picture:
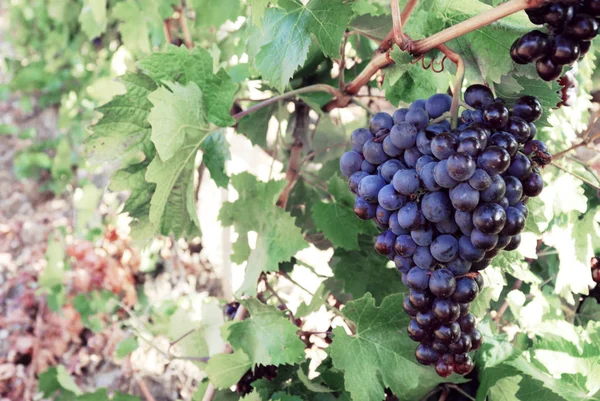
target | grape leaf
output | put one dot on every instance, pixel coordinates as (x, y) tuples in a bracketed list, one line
[(318, 300), (589, 311), (173, 208), (126, 347), (416, 83), (279, 396), (132, 26), (513, 264), (122, 135), (373, 7), (336, 218), (225, 370), (257, 9), (365, 271), (93, 17), (177, 64), (380, 354), (267, 337), (210, 13), (256, 125), (178, 116), (281, 54), (215, 152), (220, 395), (278, 237)]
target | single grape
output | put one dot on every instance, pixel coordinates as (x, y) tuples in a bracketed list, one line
[(423, 160), (393, 223), (399, 116), (406, 181), (411, 156), (528, 108), (420, 300), (384, 244), (408, 308), (442, 177), (424, 142), (350, 163), (592, 7), (355, 180), (482, 264), (423, 258), (447, 226), (537, 15), (369, 187), (584, 48), (363, 209), (427, 319), (461, 166), (476, 339), (480, 180), (547, 69), (496, 115), (390, 149), (564, 50), (416, 332), (439, 347), (489, 218), (381, 121), (403, 264), (426, 355), (503, 202), (495, 191), (443, 145), (522, 208), (403, 135), (519, 129), (448, 333), (483, 241), (417, 117), (444, 248), (532, 184), (464, 220), (503, 241), (405, 245), (436, 206), (582, 27), (368, 167), (423, 236), (359, 137), (520, 167), (478, 96), (445, 310), (494, 160), (514, 189), (418, 279), (467, 323), (389, 168), (427, 176), (505, 140), (463, 344), (464, 197), (409, 216), (515, 222), (443, 369), (464, 308), (459, 266), (558, 14), (373, 152), (476, 132), (466, 290), (418, 104), (438, 104), (467, 251), (382, 215), (530, 47)]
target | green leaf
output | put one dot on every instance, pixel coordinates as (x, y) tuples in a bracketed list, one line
[(126, 347), (132, 26), (365, 271), (225, 370), (256, 125), (311, 385), (177, 117), (278, 237), (210, 13), (66, 381), (257, 9), (47, 382), (267, 337), (373, 7), (220, 395), (589, 311), (184, 66), (86, 206), (279, 396), (173, 209), (124, 397), (416, 83), (512, 263), (380, 354), (336, 218), (54, 272), (318, 300), (93, 18), (215, 152), (122, 135), (282, 53)]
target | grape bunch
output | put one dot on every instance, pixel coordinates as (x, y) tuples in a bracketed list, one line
[(244, 385), (447, 201), (571, 25)]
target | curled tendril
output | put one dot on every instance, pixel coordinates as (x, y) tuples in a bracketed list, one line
[(431, 64)]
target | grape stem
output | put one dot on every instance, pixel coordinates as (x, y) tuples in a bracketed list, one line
[(187, 37), (458, 82), (397, 23), (307, 89)]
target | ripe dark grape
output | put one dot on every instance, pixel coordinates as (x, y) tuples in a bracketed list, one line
[(582, 27), (547, 69), (530, 47), (447, 201), (564, 50)]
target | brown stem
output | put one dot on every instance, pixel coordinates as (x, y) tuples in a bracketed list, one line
[(397, 23), (586, 141), (167, 30), (503, 10), (293, 168), (185, 30), (460, 390), (388, 41), (144, 389), (504, 305), (307, 89), (460, 77)]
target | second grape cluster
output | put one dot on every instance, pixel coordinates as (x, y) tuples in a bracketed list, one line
[(447, 201)]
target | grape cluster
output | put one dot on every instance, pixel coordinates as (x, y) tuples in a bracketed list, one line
[(571, 25), (596, 269), (244, 385), (447, 201)]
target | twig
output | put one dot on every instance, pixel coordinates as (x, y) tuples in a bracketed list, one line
[(167, 30), (172, 343), (503, 10), (388, 41), (460, 390), (293, 169), (585, 180), (504, 305), (444, 395), (281, 301), (307, 89), (144, 389), (201, 168), (187, 37), (460, 76), (290, 279), (397, 23), (586, 141)]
